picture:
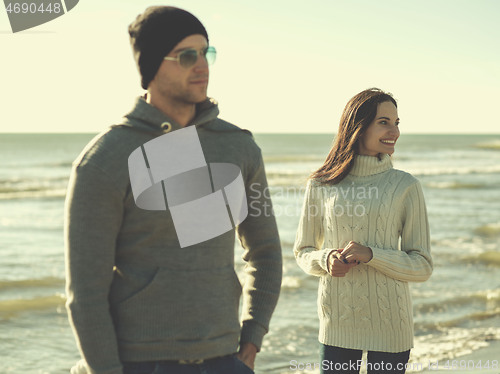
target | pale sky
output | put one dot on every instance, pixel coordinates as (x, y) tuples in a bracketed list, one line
[(282, 65)]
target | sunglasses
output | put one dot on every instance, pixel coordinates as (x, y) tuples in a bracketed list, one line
[(188, 57)]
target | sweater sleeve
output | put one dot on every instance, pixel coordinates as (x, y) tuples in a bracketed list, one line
[(413, 263), (259, 237), (93, 215), (310, 234)]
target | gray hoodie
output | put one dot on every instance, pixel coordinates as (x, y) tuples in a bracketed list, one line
[(134, 294)]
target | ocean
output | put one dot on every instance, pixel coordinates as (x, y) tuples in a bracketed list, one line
[(456, 312)]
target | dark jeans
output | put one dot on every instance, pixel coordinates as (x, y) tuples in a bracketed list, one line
[(223, 365), (336, 360)]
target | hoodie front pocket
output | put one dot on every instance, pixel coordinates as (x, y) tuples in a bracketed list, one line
[(181, 305)]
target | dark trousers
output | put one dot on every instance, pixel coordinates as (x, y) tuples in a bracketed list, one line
[(336, 360), (222, 365)]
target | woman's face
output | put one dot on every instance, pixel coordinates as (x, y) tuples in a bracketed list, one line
[(382, 134)]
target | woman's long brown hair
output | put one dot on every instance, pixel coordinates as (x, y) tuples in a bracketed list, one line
[(359, 112)]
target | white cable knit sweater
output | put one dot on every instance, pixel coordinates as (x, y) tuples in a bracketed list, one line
[(382, 208)]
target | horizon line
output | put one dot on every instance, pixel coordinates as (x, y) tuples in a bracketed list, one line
[(258, 133)]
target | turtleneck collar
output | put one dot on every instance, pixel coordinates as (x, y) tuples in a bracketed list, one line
[(370, 165)]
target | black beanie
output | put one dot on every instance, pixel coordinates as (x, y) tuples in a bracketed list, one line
[(155, 33)]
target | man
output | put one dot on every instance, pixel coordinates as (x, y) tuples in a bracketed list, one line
[(151, 284)]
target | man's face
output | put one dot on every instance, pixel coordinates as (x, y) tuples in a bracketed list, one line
[(179, 85)]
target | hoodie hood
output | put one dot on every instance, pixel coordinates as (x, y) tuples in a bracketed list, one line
[(145, 117)]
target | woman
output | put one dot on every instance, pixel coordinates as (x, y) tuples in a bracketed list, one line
[(364, 232)]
